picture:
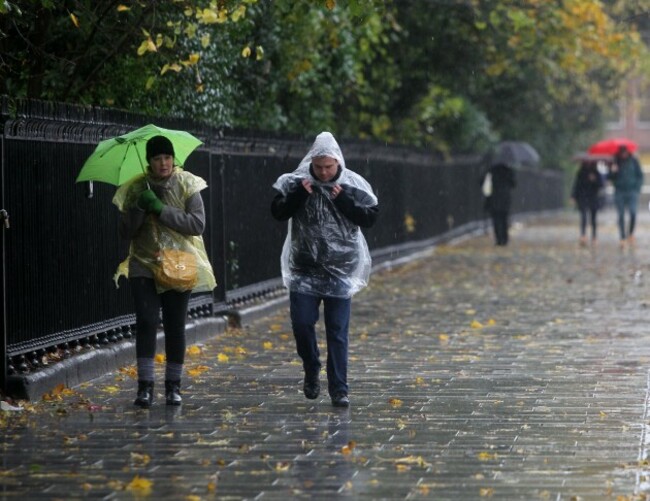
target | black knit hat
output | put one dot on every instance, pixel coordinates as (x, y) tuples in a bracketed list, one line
[(159, 145)]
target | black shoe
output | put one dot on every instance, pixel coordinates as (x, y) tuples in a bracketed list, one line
[(173, 392), (311, 387), (340, 400), (144, 398)]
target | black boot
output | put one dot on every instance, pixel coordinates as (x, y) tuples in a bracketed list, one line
[(311, 385), (145, 394), (173, 392)]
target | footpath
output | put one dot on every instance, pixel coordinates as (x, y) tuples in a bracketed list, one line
[(476, 372)]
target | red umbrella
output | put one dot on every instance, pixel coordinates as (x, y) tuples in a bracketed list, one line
[(611, 146)]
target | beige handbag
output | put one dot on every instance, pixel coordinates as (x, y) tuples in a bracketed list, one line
[(176, 269)]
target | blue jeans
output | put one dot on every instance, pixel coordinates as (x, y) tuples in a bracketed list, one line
[(623, 200), (304, 315)]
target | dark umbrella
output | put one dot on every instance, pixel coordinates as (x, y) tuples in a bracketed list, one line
[(515, 154)]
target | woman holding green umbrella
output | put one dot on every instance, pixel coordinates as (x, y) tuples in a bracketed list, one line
[(162, 210)]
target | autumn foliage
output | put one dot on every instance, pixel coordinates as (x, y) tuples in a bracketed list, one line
[(452, 76)]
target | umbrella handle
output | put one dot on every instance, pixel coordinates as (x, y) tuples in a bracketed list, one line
[(139, 158), (142, 166)]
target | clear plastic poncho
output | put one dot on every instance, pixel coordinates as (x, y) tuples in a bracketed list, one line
[(324, 254), (154, 236)]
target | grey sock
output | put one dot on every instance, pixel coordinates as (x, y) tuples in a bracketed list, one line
[(145, 369), (173, 371)]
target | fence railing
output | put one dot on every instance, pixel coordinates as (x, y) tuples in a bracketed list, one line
[(62, 248)]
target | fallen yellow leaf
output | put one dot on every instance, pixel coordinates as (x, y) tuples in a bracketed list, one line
[(395, 402), (268, 345), (130, 371), (222, 357), (347, 449), (409, 460), (116, 485), (196, 371), (282, 465), (194, 350), (476, 324), (487, 456), (159, 358), (140, 485), (140, 459), (417, 460)]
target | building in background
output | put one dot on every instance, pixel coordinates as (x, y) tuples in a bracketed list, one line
[(630, 117)]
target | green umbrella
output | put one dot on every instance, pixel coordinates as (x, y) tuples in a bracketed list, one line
[(119, 159)]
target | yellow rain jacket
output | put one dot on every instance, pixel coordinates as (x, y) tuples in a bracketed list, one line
[(179, 225)]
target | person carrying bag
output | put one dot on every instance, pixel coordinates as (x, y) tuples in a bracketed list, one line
[(163, 216)]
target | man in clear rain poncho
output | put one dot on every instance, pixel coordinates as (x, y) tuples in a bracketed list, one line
[(325, 257)]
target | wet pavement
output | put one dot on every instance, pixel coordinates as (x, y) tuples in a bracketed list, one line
[(476, 372)]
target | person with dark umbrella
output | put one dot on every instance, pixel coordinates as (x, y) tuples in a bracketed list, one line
[(586, 195), (498, 199)]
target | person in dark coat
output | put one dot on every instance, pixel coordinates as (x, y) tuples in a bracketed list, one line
[(585, 194), (627, 177), (498, 202)]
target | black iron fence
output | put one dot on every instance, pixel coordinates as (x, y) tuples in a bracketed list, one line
[(62, 248)]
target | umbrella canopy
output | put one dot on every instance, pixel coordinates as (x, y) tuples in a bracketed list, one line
[(611, 146), (119, 159), (515, 154)]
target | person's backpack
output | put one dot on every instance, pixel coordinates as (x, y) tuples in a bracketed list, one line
[(486, 188)]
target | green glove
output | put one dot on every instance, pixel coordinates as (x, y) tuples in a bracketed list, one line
[(149, 202)]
